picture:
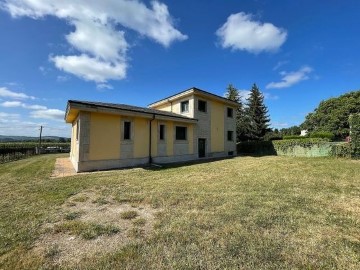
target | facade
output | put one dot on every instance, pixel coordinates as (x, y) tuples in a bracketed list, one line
[(187, 126)]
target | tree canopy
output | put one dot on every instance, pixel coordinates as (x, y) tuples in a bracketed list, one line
[(332, 115), (257, 114)]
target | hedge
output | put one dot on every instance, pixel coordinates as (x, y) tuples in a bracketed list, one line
[(305, 147), (354, 121)]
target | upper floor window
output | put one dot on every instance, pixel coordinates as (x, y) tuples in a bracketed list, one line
[(230, 135), (162, 132), (127, 130), (184, 106), (230, 112), (202, 105), (181, 133)]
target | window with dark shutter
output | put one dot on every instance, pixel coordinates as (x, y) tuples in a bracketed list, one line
[(127, 130), (230, 112), (180, 133), (162, 132), (184, 106), (202, 105)]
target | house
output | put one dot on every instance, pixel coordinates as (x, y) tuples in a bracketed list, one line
[(189, 125)]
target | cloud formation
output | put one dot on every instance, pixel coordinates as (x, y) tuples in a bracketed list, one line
[(53, 114), (102, 46), (6, 93), (241, 32), (291, 78)]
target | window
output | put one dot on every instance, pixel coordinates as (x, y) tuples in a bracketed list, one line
[(181, 133), (127, 130), (184, 106), (202, 106), (162, 132), (230, 135), (230, 112)]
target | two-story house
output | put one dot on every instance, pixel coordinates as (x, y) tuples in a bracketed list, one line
[(186, 126)]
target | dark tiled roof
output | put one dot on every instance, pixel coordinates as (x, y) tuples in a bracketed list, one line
[(131, 108), (195, 90)]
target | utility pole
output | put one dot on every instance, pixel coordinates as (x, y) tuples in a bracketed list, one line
[(41, 127)]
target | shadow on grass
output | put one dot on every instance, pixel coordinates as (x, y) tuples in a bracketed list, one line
[(159, 167)]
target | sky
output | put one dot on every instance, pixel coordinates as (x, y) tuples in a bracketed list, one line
[(137, 52)]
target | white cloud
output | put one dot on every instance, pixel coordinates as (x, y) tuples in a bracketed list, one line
[(244, 95), (270, 96), (14, 104), (96, 36), (61, 78), (4, 92), (54, 114), (241, 32), (90, 69), (291, 78), (9, 117), (280, 64), (11, 104), (101, 86)]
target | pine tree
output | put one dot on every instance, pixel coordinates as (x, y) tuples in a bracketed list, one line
[(233, 94), (257, 114)]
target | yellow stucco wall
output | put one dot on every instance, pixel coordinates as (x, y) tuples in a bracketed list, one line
[(170, 138), (154, 137), (141, 137), (104, 136), (217, 127), (166, 107)]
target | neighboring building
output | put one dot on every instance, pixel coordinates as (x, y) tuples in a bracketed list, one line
[(304, 132), (186, 126)]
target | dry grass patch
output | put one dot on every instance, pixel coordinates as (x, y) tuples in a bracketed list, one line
[(92, 227)]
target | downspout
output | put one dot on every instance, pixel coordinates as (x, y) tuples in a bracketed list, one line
[(170, 104), (150, 135)]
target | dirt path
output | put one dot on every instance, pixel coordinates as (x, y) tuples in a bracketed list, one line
[(63, 167)]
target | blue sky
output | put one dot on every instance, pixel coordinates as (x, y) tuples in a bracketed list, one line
[(136, 52)]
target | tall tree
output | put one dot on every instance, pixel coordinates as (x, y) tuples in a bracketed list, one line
[(233, 94), (257, 114), (332, 115)]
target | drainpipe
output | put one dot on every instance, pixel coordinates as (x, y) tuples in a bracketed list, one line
[(170, 105), (150, 135)]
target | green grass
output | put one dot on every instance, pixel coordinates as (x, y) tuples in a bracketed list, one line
[(85, 230), (241, 213)]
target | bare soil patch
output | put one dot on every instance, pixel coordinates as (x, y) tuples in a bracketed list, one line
[(67, 242), (63, 168)]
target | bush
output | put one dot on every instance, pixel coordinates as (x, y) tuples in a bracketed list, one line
[(354, 121), (272, 136), (342, 150), (294, 147), (323, 135), (293, 137), (256, 147)]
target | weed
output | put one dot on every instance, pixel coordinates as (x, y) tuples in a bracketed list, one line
[(131, 214), (140, 222)]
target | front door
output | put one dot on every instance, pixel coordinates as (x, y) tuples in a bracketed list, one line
[(202, 147)]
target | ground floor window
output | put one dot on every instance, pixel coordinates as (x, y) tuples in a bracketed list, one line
[(181, 133), (230, 135), (162, 132), (127, 130)]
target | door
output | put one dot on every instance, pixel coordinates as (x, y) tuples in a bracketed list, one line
[(201, 147)]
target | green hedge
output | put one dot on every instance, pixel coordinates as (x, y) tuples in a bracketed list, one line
[(310, 147), (354, 121)]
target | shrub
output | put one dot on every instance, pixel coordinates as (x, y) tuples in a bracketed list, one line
[(293, 137), (342, 150), (256, 147), (323, 135), (354, 121)]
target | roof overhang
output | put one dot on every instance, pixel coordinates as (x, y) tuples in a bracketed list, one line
[(74, 107), (197, 92)]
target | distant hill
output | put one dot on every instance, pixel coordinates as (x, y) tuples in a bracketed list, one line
[(6, 138)]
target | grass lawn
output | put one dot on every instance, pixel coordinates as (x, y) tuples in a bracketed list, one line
[(241, 213)]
